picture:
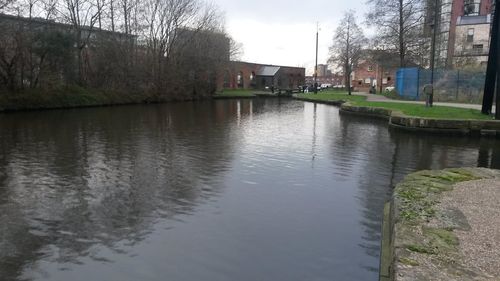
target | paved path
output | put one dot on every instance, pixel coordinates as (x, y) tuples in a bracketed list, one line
[(380, 98)]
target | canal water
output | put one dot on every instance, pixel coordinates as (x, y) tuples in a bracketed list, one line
[(266, 189)]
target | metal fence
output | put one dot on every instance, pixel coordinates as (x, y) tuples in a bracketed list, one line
[(465, 86)]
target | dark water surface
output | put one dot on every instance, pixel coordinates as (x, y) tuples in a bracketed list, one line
[(223, 190)]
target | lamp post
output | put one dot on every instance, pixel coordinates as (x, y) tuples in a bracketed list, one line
[(429, 90), (316, 65)]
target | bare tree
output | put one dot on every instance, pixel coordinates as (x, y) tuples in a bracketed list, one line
[(348, 43), (4, 4), (158, 47), (235, 50), (400, 25), (165, 21), (83, 15)]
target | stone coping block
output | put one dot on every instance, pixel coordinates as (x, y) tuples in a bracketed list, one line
[(420, 242), (399, 120)]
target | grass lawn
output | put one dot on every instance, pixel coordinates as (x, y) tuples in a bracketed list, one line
[(417, 110), (332, 96), (236, 93), (440, 112)]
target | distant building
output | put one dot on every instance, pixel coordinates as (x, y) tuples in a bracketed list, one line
[(331, 79), (58, 53), (463, 28), (370, 73), (34, 25), (245, 75), (472, 40), (322, 70)]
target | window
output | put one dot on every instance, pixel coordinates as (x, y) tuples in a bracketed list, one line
[(471, 7), (370, 68), (470, 35), (253, 81), (240, 79), (227, 83), (477, 49)]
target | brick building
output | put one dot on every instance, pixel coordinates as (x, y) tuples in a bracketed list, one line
[(472, 32), (370, 73), (245, 75), (463, 32)]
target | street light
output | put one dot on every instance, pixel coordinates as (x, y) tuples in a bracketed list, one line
[(429, 89), (316, 66)]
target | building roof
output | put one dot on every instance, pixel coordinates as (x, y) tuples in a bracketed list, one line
[(53, 23), (268, 71), (468, 20)]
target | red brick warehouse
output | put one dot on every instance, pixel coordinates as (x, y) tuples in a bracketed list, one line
[(245, 75)]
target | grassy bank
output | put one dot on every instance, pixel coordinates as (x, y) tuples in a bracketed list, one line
[(75, 96), (440, 112), (65, 97), (416, 110)]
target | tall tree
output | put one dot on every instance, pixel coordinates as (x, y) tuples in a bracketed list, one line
[(348, 43), (83, 16), (4, 4), (400, 25)]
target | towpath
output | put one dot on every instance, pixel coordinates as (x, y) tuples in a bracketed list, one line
[(380, 98)]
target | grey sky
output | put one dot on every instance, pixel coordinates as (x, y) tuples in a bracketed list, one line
[(283, 31)]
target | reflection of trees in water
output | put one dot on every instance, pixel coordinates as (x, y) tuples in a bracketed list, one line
[(74, 179), (391, 155)]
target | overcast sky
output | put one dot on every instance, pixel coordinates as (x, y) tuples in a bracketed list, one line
[(283, 32)]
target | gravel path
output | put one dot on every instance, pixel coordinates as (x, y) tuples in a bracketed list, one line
[(479, 201)]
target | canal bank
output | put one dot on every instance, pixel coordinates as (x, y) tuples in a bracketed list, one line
[(399, 120), (70, 97), (440, 225)]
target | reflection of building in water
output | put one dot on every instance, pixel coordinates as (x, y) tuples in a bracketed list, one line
[(225, 109)]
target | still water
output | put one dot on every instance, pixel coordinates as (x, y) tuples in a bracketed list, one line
[(225, 190)]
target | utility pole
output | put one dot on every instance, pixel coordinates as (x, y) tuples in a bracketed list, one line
[(429, 91), (316, 66)]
